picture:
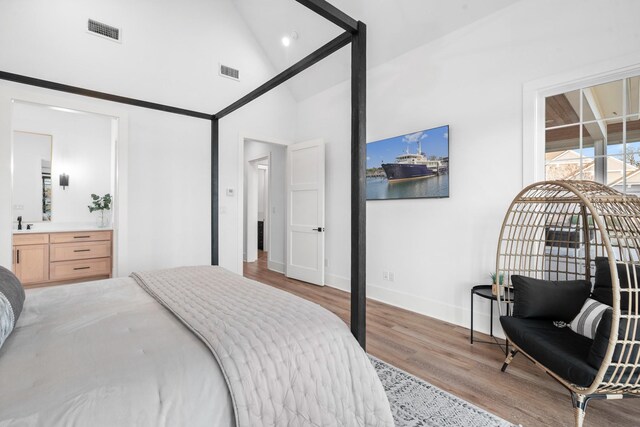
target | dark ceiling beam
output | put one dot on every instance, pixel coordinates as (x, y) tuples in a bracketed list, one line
[(332, 13), (317, 56), (17, 78)]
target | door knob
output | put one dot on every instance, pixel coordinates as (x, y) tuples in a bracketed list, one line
[(319, 229)]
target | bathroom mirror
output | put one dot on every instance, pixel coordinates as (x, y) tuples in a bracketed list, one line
[(60, 158), (32, 176)]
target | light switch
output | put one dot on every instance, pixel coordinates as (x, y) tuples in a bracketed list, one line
[(231, 192)]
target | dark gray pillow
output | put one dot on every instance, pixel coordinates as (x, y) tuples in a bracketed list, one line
[(547, 299), (603, 289), (11, 302)]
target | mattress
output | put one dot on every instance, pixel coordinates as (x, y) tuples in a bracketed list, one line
[(153, 370)]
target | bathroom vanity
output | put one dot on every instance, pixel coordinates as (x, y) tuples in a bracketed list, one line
[(47, 258)]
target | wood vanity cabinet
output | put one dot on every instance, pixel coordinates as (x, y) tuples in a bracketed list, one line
[(31, 258), (55, 258)]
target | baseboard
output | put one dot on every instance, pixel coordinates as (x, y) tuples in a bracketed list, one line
[(338, 282), (454, 314), (275, 266)]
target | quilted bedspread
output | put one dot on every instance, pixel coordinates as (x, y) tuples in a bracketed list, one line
[(287, 361)]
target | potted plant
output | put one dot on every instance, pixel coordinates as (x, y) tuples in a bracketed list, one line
[(102, 205), (497, 281)]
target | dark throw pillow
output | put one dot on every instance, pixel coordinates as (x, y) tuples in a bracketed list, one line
[(546, 299), (11, 302), (602, 288)]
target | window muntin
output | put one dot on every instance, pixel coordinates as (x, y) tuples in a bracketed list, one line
[(594, 133)]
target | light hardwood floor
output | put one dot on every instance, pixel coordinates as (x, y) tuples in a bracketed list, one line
[(441, 354)]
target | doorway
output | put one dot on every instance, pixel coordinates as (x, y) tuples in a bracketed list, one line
[(264, 201)]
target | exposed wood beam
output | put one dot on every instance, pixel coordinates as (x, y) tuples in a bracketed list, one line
[(215, 234), (100, 95), (326, 50), (358, 193), (559, 111), (332, 13)]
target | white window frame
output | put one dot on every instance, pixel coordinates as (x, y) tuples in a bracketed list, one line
[(533, 98)]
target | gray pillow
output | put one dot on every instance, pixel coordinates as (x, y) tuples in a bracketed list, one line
[(11, 302)]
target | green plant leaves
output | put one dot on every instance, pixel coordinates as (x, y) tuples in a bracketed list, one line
[(100, 203)]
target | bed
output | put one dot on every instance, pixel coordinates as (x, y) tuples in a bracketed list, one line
[(188, 346)]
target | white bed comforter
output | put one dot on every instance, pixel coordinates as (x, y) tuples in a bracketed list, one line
[(107, 354), (287, 361)]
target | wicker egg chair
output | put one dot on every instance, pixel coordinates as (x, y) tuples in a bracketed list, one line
[(555, 231)]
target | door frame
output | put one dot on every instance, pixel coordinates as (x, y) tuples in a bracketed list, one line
[(252, 167), (242, 138), (120, 126)]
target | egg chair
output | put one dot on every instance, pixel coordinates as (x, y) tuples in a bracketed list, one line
[(564, 248)]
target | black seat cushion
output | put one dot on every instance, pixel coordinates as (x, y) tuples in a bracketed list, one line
[(546, 299), (559, 349), (602, 288)]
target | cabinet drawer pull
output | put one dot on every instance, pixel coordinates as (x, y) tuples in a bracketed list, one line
[(82, 250), (82, 268), (81, 237), (18, 256)]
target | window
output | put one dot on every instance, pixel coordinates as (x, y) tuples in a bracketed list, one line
[(593, 133)]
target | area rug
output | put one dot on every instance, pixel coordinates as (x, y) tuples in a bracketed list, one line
[(416, 403)]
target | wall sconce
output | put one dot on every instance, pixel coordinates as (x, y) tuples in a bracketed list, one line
[(64, 181)]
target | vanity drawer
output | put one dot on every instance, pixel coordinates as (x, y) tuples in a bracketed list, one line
[(80, 236), (30, 239), (67, 270), (84, 250)]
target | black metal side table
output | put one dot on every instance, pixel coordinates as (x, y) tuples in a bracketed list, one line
[(484, 291)]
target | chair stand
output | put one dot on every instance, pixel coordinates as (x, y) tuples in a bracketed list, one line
[(580, 402), (508, 360)]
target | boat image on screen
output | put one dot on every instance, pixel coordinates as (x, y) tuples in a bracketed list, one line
[(421, 170)]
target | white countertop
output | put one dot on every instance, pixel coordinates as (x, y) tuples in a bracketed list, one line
[(41, 227)]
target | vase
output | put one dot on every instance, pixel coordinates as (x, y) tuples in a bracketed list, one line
[(102, 220)]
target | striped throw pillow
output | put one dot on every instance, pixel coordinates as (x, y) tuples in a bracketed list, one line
[(587, 321)]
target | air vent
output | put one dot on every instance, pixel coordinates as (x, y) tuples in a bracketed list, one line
[(229, 72), (103, 30)]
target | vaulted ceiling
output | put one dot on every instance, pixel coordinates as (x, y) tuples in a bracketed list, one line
[(394, 27)]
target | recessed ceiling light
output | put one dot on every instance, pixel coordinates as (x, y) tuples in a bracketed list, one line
[(286, 40)]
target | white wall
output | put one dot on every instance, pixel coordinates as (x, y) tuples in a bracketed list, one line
[(472, 80), (277, 198), (169, 54), (262, 194), (81, 148)]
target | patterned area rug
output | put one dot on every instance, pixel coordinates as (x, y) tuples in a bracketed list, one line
[(416, 403)]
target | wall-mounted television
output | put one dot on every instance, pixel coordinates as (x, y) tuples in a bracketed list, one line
[(410, 166)]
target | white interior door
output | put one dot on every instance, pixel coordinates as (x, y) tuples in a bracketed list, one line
[(305, 211)]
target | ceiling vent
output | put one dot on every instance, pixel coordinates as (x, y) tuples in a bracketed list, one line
[(103, 30), (229, 72)]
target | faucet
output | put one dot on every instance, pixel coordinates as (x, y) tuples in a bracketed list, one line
[(20, 223)]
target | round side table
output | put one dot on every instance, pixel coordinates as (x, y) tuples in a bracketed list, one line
[(484, 291)]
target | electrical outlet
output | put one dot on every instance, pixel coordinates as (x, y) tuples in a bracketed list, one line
[(391, 277), (385, 275)]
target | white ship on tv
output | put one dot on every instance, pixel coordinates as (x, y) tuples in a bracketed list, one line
[(414, 166)]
